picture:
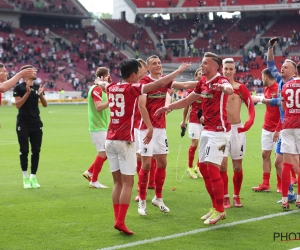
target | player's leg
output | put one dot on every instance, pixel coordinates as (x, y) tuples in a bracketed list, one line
[(278, 165), (194, 134), (151, 182), (267, 145), (35, 138), (125, 150), (224, 176), (99, 141), (160, 154), (214, 154), (23, 136), (237, 152), (205, 174)]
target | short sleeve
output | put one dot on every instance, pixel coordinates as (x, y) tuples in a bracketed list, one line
[(17, 91)]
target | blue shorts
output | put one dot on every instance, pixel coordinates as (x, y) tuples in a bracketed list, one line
[(278, 147)]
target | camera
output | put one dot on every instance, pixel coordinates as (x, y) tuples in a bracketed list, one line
[(273, 40)]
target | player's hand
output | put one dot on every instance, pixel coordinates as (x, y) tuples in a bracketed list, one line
[(41, 89), (28, 90), (201, 120), (30, 73), (183, 124), (255, 99), (148, 136), (109, 80), (272, 42), (183, 67), (276, 136), (162, 110), (218, 87)]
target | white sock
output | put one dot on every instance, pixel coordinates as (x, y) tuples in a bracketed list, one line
[(226, 195), (298, 197), (88, 173), (285, 199), (32, 175), (25, 174)]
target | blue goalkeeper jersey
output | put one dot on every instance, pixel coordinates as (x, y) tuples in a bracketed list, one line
[(278, 78)]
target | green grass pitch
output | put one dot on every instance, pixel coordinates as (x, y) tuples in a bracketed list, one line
[(66, 214)]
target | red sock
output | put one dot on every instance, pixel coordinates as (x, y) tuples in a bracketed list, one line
[(152, 173), (217, 186), (191, 156), (116, 211), (286, 178), (293, 173), (143, 180), (266, 178), (278, 180), (98, 163), (237, 182), (298, 180), (225, 181), (160, 176), (120, 224), (91, 169), (207, 181)]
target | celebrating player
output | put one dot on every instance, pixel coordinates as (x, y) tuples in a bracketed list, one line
[(217, 131), (237, 144), (98, 114), (119, 145)]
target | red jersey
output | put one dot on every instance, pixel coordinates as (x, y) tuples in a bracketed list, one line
[(213, 104), (272, 114), (195, 106), (155, 100), (291, 93), (97, 94), (122, 98), (243, 92)]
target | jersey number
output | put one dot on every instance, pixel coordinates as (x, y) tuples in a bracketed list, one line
[(117, 101), (293, 98)]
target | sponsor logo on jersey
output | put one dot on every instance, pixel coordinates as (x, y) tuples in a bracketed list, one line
[(157, 95), (206, 95)]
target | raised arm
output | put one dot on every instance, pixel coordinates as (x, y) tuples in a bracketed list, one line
[(245, 95), (165, 80), (184, 85), (4, 86)]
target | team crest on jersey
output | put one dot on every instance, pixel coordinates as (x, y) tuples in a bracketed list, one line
[(157, 95)]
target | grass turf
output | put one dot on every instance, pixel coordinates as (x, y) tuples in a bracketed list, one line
[(66, 214)]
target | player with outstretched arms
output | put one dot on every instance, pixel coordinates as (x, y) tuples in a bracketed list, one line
[(119, 145), (214, 89)]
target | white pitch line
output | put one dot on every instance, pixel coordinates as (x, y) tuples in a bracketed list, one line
[(173, 236)]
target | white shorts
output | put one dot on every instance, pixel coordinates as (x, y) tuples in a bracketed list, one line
[(290, 141), (157, 146), (136, 140), (237, 144), (195, 130), (213, 146), (98, 139), (121, 156), (267, 140)]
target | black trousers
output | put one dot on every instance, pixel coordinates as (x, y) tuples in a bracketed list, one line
[(33, 136)]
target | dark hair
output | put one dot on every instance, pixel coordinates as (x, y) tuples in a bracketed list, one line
[(2, 65), (26, 67), (196, 72), (267, 73), (151, 57), (298, 69), (102, 71), (214, 57), (129, 66)]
